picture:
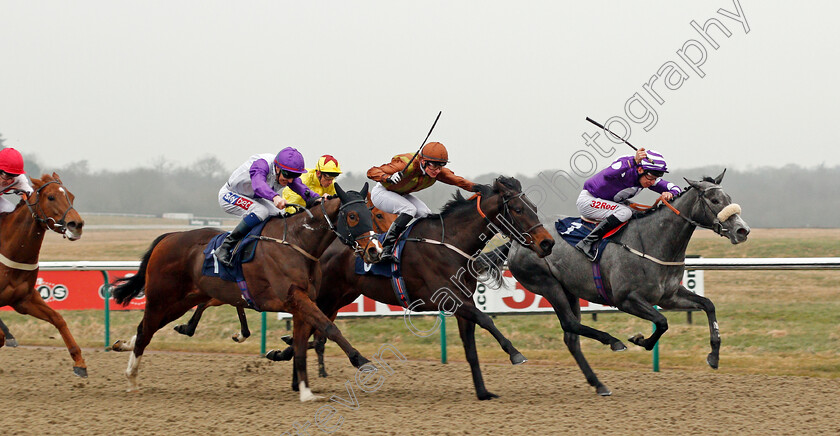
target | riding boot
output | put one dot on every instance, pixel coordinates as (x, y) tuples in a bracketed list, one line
[(397, 227), (224, 251), (588, 244)]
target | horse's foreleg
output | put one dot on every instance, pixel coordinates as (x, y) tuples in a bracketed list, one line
[(685, 299), (312, 315), (244, 332), (319, 342), (300, 342), (37, 308), (636, 305), (476, 316), (2, 338), (467, 331)]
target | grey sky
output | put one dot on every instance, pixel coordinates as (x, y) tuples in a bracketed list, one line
[(121, 84)]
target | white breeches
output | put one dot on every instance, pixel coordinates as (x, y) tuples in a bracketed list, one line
[(392, 202), (240, 205), (598, 209)]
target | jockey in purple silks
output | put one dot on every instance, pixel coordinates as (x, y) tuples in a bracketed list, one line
[(253, 192), (604, 196)]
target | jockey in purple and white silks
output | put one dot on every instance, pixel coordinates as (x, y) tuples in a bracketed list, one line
[(253, 192), (604, 196)]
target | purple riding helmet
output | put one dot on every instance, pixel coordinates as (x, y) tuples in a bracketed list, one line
[(654, 162), (290, 160)]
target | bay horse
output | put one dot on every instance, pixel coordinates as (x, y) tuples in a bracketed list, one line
[(381, 223), (49, 207), (643, 268), (431, 270), (283, 277)]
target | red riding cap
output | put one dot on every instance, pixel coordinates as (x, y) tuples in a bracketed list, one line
[(11, 161)]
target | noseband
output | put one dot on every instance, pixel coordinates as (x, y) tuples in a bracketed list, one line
[(40, 216)]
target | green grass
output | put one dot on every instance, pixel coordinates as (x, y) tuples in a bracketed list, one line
[(771, 322)]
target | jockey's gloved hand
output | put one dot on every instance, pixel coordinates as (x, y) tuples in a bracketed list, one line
[(395, 178)]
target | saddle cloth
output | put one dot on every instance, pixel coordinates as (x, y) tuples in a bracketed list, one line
[(242, 253), (574, 229), (393, 270)]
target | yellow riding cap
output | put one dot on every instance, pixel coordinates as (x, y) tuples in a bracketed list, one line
[(311, 181), (328, 164)]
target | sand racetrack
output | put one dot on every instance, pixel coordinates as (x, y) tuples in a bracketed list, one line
[(191, 393)]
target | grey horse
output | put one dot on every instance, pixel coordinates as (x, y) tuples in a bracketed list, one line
[(638, 281), (10, 340)]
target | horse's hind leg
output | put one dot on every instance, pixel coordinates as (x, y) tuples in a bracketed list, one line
[(37, 308), (10, 339), (189, 328), (636, 305), (474, 315), (300, 341), (467, 330), (685, 299), (243, 332), (155, 317)]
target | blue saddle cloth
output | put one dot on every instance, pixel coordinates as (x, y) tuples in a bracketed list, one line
[(242, 253), (574, 229), (392, 270)]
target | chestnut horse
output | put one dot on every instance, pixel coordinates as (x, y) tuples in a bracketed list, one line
[(381, 223), (430, 269), (49, 207), (283, 276)]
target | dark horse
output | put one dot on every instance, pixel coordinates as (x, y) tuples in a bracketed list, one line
[(431, 270), (637, 283), (381, 222), (49, 207), (10, 339), (282, 278)]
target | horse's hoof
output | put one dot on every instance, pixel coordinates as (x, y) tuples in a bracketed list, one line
[(487, 396), (118, 345), (712, 360), (79, 371), (322, 374), (287, 339), (618, 346), (637, 339), (603, 391), (184, 329), (280, 355), (239, 338), (357, 360), (518, 359), (11, 342)]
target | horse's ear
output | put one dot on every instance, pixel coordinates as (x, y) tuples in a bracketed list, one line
[(364, 191), (719, 178), (55, 176), (693, 184), (340, 192)]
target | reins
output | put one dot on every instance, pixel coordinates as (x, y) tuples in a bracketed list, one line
[(35, 209)]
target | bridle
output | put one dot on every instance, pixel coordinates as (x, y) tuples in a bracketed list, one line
[(348, 240), (506, 216), (58, 226), (717, 223)]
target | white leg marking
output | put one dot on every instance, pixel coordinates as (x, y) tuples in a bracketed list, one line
[(131, 372), (306, 394), (239, 337)]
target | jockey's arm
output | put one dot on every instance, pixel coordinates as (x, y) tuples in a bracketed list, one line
[(381, 173), (447, 176), (666, 189), (259, 173)]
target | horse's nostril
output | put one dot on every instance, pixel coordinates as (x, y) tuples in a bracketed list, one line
[(743, 231), (546, 245)]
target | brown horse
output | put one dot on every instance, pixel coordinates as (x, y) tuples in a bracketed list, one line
[(282, 278), (431, 270), (10, 339), (381, 222), (49, 207)]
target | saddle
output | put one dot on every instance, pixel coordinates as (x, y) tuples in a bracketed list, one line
[(392, 270), (574, 229), (242, 253)]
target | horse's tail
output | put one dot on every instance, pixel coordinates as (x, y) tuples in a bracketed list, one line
[(490, 270), (125, 289)]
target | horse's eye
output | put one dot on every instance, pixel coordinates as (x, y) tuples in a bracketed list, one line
[(379, 215), (352, 219), (715, 201), (51, 197), (517, 209)]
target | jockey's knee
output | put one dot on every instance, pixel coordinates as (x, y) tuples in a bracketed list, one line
[(409, 209), (623, 214)]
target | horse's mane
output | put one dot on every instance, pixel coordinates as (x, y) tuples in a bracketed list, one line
[(458, 201)]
